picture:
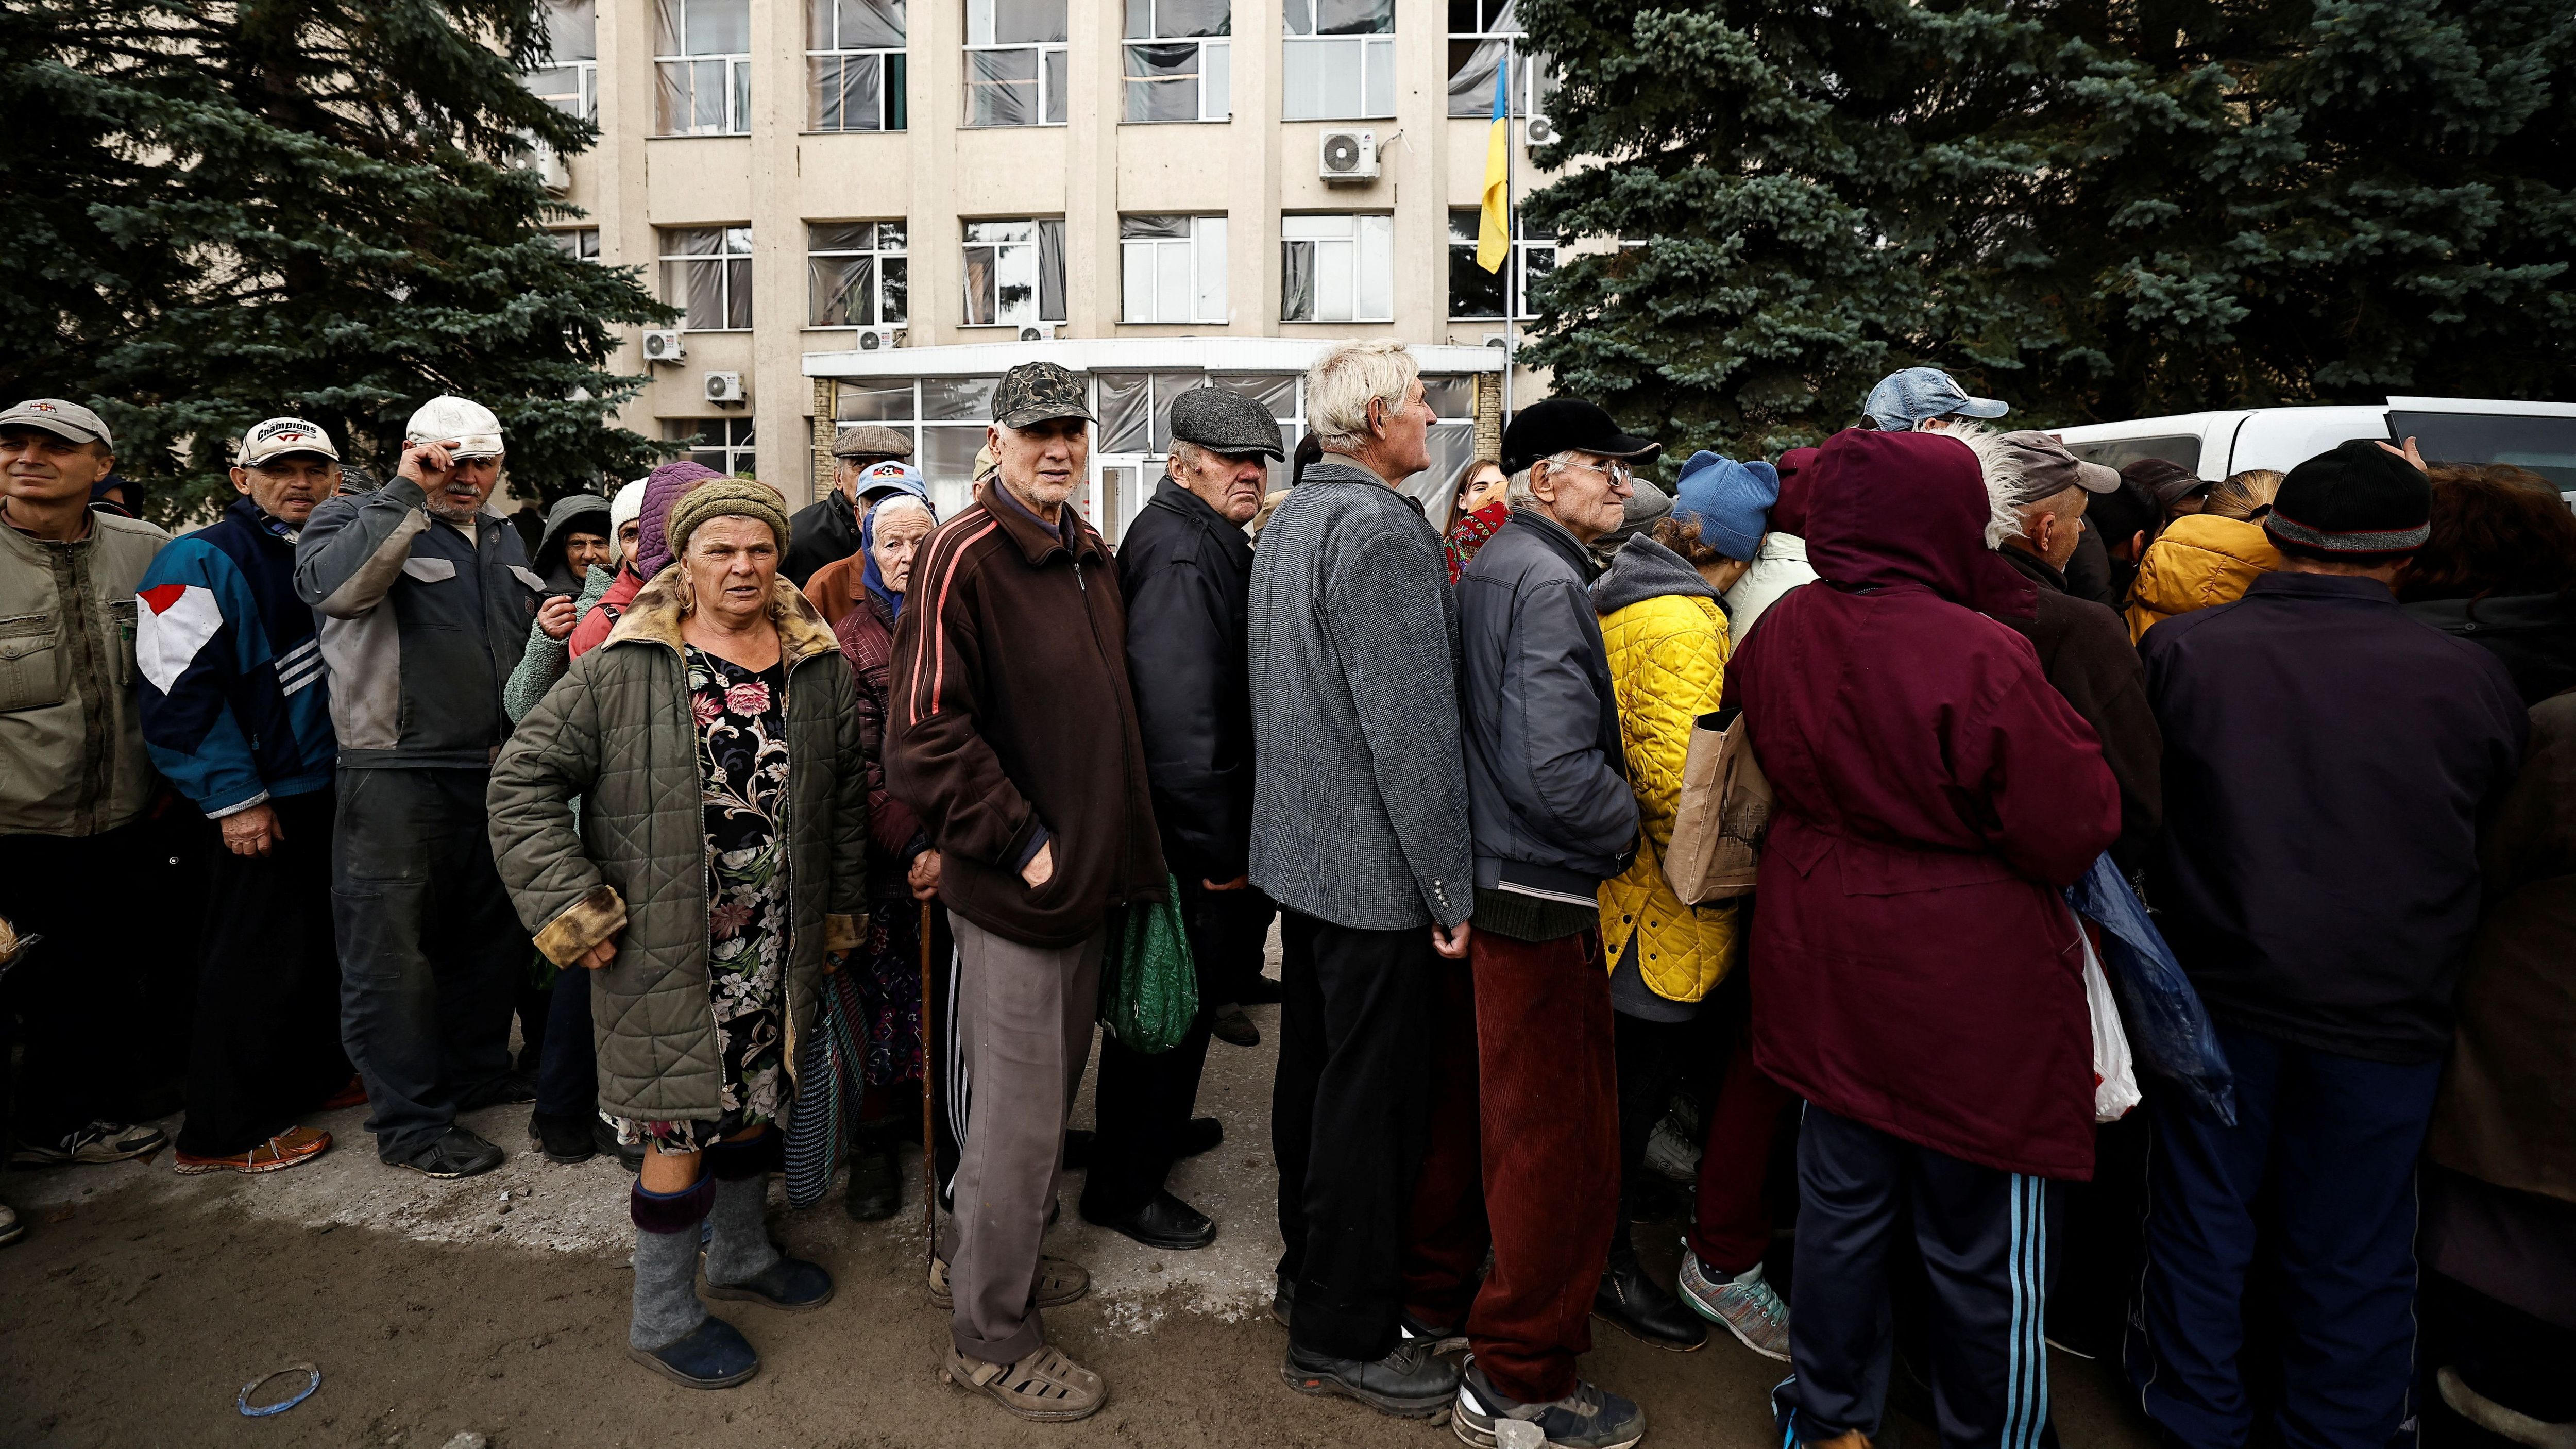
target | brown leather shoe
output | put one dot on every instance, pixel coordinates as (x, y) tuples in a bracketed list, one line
[(290, 1148), (1043, 1386)]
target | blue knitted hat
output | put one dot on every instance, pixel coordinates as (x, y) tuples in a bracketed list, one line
[(1731, 501)]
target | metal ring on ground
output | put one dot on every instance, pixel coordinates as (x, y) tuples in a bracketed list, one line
[(243, 1402)]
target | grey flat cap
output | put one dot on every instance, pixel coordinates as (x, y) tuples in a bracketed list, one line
[(871, 440), (68, 420), (1222, 420)]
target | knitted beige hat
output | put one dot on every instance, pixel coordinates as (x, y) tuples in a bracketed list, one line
[(728, 498)]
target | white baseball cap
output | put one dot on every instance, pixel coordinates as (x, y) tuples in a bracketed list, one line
[(476, 432), (280, 436)]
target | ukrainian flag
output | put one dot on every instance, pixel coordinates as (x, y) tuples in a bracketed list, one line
[(1494, 232)]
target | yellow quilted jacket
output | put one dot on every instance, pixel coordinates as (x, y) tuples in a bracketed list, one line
[(1667, 665), (2201, 560)]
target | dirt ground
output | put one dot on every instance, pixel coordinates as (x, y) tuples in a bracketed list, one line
[(140, 1302)]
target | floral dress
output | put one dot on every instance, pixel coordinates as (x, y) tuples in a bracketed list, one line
[(742, 766)]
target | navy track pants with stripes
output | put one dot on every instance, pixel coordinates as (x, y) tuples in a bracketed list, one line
[(1986, 1238)]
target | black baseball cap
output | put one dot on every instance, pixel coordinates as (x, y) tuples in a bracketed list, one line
[(1567, 424)]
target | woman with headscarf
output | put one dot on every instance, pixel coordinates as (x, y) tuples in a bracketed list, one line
[(718, 749), (1476, 510), (873, 1004)]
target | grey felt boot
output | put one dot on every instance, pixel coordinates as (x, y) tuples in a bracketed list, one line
[(743, 1263), (671, 1332), (666, 1288)]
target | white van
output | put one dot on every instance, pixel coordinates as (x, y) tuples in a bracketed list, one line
[(2537, 436)]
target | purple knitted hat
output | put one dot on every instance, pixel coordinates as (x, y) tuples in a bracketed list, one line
[(662, 489)]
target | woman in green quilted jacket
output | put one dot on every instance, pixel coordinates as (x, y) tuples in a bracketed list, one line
[(717, 748)]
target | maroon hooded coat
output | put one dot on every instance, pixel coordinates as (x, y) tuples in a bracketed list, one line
[(1913, 966)]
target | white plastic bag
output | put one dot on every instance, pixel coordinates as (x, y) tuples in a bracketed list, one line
[(2115, 1078)]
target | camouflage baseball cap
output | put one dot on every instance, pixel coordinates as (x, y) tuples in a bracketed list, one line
[(1036, 391)]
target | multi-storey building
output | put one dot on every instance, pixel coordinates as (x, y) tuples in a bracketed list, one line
[(868, 209)]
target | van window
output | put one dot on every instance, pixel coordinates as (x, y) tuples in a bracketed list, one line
[(2546, 446), (2182, 449)]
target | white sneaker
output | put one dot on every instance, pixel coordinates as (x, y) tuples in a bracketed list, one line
[(11, 1230), (1746, 1306), (95, 1143)]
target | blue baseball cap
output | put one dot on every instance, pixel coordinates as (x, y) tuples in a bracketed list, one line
[(1730, 501), (1904, 401), (891, 476)]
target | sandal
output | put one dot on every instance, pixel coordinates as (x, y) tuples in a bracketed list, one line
[(1044, 1386), (290, 1148), (1059, 1283)]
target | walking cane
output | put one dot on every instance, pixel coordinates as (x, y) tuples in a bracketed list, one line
[(929, 1130)]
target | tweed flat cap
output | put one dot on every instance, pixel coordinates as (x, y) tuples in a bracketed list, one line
[(872, 440), (1225, 421)]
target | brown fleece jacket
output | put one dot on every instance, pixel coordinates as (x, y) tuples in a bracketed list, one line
[(1010, 713)]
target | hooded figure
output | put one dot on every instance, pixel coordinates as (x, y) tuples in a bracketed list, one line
[(580, 513), (1916, 977), (663, 487)]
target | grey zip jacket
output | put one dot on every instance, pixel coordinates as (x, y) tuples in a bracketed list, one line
[(1547, 776), (421, 626)]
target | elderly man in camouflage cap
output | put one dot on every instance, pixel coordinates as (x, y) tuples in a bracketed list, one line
[(1011, 731), (828, 528)]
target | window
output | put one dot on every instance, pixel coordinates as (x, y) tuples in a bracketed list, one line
[(706, 272), (723, 444), (945, 417), (702, 67), (1015, 62), (1475, 292), (854, 65), (580, 243), (571, 78), (855, 273), (1185, 77), (1481, 33), (1175, 268), (1337, 269), (1014, 273), (1338, 61)]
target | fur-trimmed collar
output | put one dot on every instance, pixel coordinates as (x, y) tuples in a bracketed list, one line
[(654, 618)]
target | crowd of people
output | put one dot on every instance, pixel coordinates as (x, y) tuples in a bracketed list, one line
[(754, 828)]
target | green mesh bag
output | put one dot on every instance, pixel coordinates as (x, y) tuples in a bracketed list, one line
[(1153, 987)]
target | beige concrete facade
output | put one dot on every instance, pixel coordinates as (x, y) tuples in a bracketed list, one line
[(939, 174)]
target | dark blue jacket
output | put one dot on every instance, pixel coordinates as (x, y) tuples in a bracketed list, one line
[(1187, 574), (236, 707), (2329, 764), (1547, 789)]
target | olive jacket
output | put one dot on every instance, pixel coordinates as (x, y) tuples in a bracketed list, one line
[(617, 731)]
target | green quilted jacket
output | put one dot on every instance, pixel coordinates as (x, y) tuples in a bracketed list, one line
[(617, 731)]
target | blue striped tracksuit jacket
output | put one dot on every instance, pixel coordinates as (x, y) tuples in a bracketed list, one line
[(236, 708), (1985, 1237)]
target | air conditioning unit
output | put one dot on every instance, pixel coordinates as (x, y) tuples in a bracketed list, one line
[(1348, 157), (552, 169), (724, 387), (1541, 130), (1498, 341), (1042, 332), (878, 339), (663, 344)]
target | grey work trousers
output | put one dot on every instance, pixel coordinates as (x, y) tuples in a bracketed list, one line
[(1024, 1020)]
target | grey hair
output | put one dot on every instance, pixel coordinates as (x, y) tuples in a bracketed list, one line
[(1345, 380), (895, 501), (2002, 472), (1187, 454), (1518, 494)]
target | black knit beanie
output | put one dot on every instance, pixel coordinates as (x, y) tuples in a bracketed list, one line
[(2358, 501)]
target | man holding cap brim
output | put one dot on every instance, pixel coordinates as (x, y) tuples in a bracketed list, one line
[(74, 783), (237, 711), (425, 595), (2329, 764), (1186, 569)]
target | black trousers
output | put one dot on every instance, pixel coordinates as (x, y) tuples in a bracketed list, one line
[(1143, 1102), (78, 994), (431, 952), (567, 1055), (1986, 1238), (1652, 1058), (266, 1043), (1355, 1077)]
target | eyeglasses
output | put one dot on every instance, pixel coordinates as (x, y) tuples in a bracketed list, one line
[(1616, 470)]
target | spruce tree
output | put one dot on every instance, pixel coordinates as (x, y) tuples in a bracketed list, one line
[(2093, 210), (222, 212)]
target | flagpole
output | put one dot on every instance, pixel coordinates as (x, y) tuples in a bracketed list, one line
[(1511, 231)]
